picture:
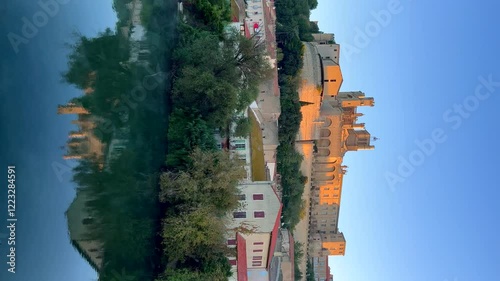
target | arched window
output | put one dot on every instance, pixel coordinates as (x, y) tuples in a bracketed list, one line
[(325, 133)]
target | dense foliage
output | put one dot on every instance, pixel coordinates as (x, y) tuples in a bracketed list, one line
[(199, 198), (214, 80), (309, 272), (293, 27), (216, 76), (210, 15)]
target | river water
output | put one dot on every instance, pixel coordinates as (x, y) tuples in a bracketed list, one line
[(33, 53)]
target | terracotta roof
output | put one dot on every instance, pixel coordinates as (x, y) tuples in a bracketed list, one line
[(327, 269), (247, 31), (274, 237), (241, 247)]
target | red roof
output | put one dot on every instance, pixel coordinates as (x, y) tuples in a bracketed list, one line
[(327, 269), (241, 248), (247, 32), (274, 237)]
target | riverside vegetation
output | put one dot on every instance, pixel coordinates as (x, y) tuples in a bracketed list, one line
[(157, 218)]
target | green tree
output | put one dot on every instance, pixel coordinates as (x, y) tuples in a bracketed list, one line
[(312, 4), (210, 14), (201, 91), (194, 275), (195, 233), (298, 256), (314, 27), (186, 132), (243, 127), (309, 272), (211, 180)]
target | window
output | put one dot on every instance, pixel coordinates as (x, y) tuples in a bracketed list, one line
[(258, 197), (258, 243), (231, 242), (259, 214), (239, 146), (239, 215), (257, 258), (232, 262), (256, 263), (242, 197), (257, 250)]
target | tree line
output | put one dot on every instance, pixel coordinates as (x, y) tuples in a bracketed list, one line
[(216, 77), (292, 27)]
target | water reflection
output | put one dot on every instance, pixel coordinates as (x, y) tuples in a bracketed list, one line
[(119, 139)]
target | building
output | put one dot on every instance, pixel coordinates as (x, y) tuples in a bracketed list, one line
[(287, 256), (263, 251), (260, 25), (339, 132), (254, 230), (329, 129), (71, 108), (81, 143), (79, 221), (321, 269), (238, 12), (324, 38)]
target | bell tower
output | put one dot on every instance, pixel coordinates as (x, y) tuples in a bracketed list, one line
[(354, 99), (358, 140), (71, 108)]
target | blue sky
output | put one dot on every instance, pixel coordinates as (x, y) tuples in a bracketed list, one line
[(31, 134), (436, 222)]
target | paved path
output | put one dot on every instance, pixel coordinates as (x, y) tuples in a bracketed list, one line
[(309, 92)]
